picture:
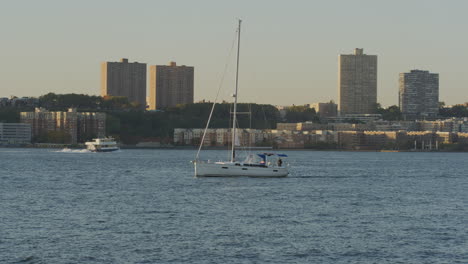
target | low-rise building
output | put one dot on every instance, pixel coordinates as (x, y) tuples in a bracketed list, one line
[(462, 138), (364, 118), (15, 133), (286, 126), (301, 126), (425, 140), (350, 127), (297, 139), (220, 136)]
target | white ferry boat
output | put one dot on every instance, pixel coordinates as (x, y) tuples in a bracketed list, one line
[(106, 144)]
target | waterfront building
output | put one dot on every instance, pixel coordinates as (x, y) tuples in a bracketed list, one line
[(346, 139), (301, 126), (461, 125), (419, 94), (124, 79), (329, 109), (350, 127), (434, 126), (424, 140), (357, 83), (219, 136), (287, 126), (15, 133), (170, 85), (448, 125), (462, 138), (372, 140), (68, 127), (383, 125), (322, 136), (365, 118)]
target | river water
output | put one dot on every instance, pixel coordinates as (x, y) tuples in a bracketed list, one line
[(145, 206)]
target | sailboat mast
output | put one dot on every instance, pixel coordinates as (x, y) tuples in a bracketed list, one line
[(234, 119)]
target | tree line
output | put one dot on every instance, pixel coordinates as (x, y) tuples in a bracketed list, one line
[(129, 123), (58, 102), (134, 126)]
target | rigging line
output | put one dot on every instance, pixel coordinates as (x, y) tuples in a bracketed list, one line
[(217, 93), (264, 117), (250, 139), (229, 129)]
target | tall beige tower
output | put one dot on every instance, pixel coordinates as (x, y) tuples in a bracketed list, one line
[(357, 83), (170, 85), (124, 79)]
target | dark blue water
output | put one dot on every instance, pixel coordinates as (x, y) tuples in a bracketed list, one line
[(144, 206)]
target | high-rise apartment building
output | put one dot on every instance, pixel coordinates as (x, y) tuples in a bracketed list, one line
[(170, 85), (124, 79), (357, 83), (419, 94)]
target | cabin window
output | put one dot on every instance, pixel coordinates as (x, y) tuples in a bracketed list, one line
[(244, 168), (224, 167)]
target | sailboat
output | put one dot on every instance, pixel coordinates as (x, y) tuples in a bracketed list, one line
[(259, 165)]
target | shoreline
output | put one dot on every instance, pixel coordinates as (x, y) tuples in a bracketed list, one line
[(170, 147)]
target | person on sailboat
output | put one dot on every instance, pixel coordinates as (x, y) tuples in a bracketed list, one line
[(280, 162)]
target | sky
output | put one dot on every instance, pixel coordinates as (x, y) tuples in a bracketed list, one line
[(289, 49)]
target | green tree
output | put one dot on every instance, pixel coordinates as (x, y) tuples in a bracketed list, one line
[(454, 111), (9, 115), (60, 137), (392, 113), (296, 114), (135, 125)]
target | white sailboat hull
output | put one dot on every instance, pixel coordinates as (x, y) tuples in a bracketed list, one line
[(239, 170)]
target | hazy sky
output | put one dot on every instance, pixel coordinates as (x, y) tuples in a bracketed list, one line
[(289, 49)]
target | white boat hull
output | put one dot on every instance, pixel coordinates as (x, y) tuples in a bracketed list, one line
[(104, 149), (233, 170)]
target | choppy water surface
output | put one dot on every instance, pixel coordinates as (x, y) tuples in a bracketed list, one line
[(144, 206)]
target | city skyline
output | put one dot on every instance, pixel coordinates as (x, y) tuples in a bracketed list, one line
[(58, 46)]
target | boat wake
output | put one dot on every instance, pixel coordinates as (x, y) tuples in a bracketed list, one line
[(67, 150)]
